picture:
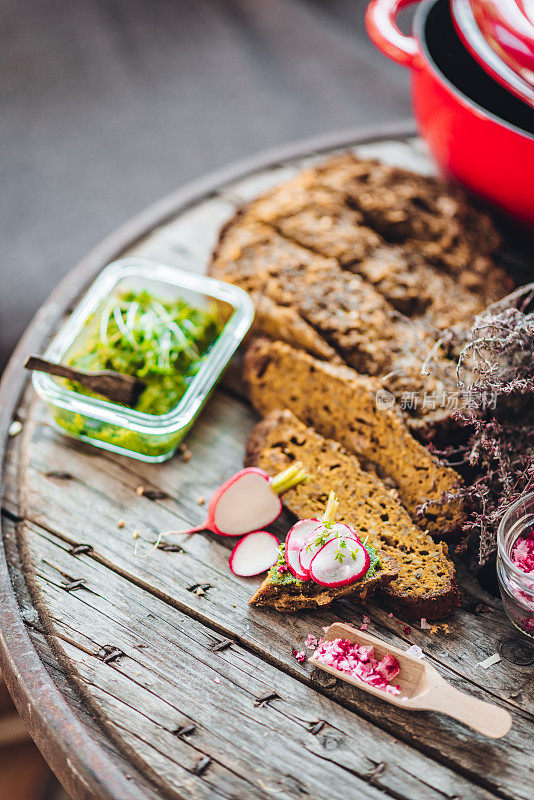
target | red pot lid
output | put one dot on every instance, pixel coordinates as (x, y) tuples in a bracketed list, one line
[(500, 35)]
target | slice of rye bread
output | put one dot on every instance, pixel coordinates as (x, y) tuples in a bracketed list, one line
[(425, 585), (321, 219), (285, 323), (343, 309), (341, 404), (298, 595)]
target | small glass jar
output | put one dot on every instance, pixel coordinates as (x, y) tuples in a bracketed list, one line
[(517, 586)]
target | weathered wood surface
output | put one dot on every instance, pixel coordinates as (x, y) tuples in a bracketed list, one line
[(141, 608)]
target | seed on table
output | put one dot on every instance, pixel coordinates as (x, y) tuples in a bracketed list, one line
[(201, 500), (185, 730), (202, 765), (135, 533), (14, 428), (121, 523)]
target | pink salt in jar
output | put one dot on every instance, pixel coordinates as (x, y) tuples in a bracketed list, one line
[(515, 563)]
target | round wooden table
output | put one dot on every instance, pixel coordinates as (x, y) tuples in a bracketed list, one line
[(147, 675)]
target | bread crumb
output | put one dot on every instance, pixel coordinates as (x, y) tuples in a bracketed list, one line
[(140, 490), (14, 428), (186, 456)]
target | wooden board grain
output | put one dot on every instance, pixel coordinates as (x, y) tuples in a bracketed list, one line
[(142, 604)]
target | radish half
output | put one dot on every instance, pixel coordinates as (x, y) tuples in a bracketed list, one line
[(295, 540), (310, 547), (254, 553), (248, 501), (327, 570)]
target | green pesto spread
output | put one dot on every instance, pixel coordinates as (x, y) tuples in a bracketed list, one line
[(287, 578), (163, 343)]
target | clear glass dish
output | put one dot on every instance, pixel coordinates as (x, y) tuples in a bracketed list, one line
[(147, 437)]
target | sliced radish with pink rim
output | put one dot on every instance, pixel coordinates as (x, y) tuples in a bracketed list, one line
[(248, 501), (254, 554), (243, 503), (295, 540), (329, 570), (317, 539)]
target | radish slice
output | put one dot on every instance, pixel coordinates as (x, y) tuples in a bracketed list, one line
[(245, 502), (310, 546), (254, 554), (327, 570), (294, 542), (248, 501)]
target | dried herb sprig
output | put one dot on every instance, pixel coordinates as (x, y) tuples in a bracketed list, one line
[(496, 364)]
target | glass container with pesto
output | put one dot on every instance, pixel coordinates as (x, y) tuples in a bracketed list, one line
[(174, 330), (161, 342)]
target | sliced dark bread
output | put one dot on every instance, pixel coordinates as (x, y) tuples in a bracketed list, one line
[(321, 219), (344, 310), (286, 324), (341, 404), (425, 585), (285, 593), (419, 211)]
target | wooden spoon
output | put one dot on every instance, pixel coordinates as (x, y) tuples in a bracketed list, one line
[(120, 388), (422, 687)]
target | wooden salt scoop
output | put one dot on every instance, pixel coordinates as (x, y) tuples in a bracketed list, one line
[(117, 387), (422, 687)]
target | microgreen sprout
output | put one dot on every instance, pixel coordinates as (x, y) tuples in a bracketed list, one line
[(331, 507), (289, 478)]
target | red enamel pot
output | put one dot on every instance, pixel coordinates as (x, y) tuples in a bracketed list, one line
[(478, 132)]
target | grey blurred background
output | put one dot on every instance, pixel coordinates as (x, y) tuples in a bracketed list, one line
[(109, 104)]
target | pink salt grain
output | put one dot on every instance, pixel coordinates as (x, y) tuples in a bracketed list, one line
[(299, 656), (360, 662), (311, 642), (523, 552)]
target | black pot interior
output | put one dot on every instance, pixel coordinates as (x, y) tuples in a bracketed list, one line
[(446, 50)]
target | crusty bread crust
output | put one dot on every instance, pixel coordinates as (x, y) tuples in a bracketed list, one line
[(307, 594), (425, 585)]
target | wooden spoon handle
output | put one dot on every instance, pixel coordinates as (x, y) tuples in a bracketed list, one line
[(486, 718), (59, 370)]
